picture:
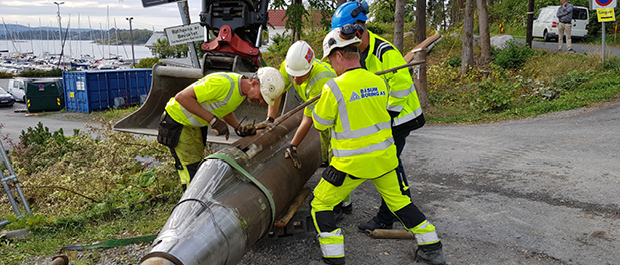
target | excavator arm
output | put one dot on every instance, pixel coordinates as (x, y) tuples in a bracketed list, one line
[(238, 26)]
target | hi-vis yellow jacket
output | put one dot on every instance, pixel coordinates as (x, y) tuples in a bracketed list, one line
[(381, 55), (353, 105), (320, 73), (218, 93)]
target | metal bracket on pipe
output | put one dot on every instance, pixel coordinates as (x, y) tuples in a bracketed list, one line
[(249, 177)]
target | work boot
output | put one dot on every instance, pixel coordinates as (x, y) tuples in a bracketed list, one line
[(373, 224), (348, 209), (433, 257), (338, 213)]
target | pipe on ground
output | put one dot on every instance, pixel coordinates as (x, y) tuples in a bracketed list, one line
[(222, 214)]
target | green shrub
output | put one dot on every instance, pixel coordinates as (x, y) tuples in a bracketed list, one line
[(6, 75), (453, 62), (277, 50), (148, 63), (35, 142), (492, 97), (513, 56), (280, 44), (612, 63), (378, 28), (572, 79), (67, 175), (41, 73)]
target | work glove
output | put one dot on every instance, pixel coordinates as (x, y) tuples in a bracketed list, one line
[(219, 127), (264, 124), (291, 152), (245, 130)]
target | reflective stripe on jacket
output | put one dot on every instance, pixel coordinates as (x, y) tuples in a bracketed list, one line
[(381, 55), (353, 104), (219, 93), (320, 73)]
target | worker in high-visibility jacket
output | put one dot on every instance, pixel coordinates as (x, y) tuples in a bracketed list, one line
[(353, 105), (377, 54), (211, 101), (307, 76)]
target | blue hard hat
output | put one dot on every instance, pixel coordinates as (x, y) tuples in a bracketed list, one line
[(350, 12)]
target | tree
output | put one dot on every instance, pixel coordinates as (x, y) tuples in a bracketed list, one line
[(296, 14), (436, 12), (483, 25), (420, 21), (163, 49), (399, 25), (383, 11), (467, 59)]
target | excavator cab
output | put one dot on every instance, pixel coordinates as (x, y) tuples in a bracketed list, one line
[(239, 27)]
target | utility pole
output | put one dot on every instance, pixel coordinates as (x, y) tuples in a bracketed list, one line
[(59, 27), (193, 54), (530, 23), (133, 55)]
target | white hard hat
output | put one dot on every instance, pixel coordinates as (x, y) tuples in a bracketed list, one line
[(335, 39), (299, 59), (271, 83)]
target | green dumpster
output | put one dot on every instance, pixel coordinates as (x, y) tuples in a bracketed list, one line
[(45, 95)]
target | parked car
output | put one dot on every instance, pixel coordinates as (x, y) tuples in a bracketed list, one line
[(6, 99), (17, 88), (546, 23)]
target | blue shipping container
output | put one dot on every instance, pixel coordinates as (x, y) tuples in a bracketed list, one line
[(87, 91)]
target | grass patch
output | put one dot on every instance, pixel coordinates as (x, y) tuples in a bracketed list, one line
[(83, 189), (544, 83)]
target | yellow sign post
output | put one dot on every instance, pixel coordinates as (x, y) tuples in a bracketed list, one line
[(605, 14)]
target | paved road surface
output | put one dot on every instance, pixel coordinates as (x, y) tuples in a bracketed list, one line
[(533, 191), (577, 46), (14, 122)]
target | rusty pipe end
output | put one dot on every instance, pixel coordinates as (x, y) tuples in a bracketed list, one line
[(158, 258), (60, 260)]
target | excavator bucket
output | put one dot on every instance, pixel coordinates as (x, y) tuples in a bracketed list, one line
[(168, 81)]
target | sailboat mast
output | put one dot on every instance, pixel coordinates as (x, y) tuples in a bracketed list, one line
[(108, 27), (6, 29), (40, 37), (79, 36), (90, 28), (116, 34), (102, 41), (31, 44)]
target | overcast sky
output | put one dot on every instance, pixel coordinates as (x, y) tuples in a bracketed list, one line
[(158, 17)]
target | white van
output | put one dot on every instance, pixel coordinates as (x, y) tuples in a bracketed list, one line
[(17, 88), (546, 23)]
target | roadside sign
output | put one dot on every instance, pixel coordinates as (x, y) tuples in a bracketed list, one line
[(605, 14), (596, 4), (184, 34), (147, 3)]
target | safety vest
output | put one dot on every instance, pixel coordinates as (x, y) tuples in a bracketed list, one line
[(353, 105), (320, 73), (381, 55), (219, 93)]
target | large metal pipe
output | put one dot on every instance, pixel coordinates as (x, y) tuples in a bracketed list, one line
[(222, 214)]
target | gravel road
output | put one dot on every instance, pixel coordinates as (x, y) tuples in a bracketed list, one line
[(533, 191)]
